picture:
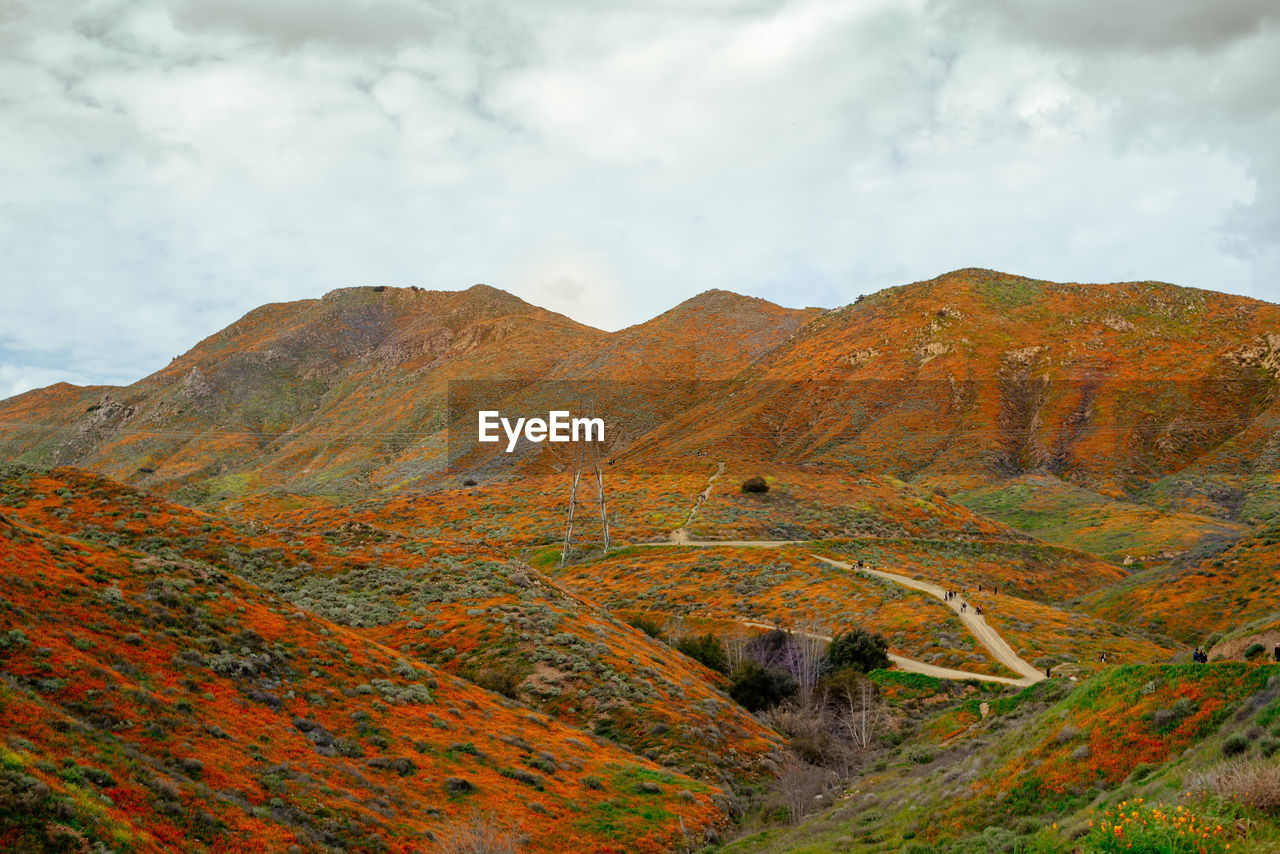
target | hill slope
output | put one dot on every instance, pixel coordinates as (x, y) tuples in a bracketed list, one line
[(347, 394), (975, 376), (149, 703)]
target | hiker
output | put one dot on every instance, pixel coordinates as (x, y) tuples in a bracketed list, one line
[(1278, 652), (1048, 673), (979, 588), (996, 590), (1103, 658)]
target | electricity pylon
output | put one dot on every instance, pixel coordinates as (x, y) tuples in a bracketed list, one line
[(588, 457)]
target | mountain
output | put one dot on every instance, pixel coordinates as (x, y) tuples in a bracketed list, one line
[(876, 564), (976, 376), (348, 394)]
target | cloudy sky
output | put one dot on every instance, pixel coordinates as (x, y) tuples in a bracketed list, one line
[(167, 165)]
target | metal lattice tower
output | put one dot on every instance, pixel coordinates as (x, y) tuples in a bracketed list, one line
[(584, 458)]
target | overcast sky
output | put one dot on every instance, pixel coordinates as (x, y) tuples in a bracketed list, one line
[(168, 165)]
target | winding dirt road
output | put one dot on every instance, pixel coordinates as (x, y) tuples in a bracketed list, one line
[(987, 636), (908, 664), (976, 624)]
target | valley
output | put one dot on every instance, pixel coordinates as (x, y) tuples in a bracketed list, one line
[(273, 597)]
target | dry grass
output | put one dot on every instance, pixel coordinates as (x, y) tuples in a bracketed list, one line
[(1255, 783), (480, 833)]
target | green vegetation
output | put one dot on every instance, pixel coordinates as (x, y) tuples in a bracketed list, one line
[(859, 650)]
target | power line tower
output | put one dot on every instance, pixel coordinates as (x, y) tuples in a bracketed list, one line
[(587, 458)]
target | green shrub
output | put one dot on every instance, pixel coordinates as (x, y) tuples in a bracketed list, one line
[(707, 649), (648, 625), (756, 687), (919, 754), (1235, 744), (858, 649), (1255, 650)]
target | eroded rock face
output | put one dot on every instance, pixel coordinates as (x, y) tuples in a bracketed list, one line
[(862, 357), (931, 350), (1262, 352), (195, 386), (100, 420)]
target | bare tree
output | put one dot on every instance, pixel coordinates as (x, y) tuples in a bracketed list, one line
[(810, 649), (861, 712), (735, 646), (676, 630), (799, 784)]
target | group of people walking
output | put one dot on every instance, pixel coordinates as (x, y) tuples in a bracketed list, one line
[(964, 606), (1200, 656)]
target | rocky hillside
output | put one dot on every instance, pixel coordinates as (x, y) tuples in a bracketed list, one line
[(347, 394), (977, 376)]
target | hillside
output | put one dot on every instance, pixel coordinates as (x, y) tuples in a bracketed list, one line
[(976, 375), (1057, 771), (1137, 391), (468, 611), (941, 552), (159, 701), (348, 394)]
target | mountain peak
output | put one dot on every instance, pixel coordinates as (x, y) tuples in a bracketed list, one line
[(715, 299)]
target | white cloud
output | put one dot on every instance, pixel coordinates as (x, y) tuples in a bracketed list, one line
[(170, 165), (363, 25)]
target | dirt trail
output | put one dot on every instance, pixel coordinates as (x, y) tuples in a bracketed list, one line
[(908, 664), (986, 635), (680, 536)]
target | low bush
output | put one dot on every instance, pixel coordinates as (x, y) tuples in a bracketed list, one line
[(1235, 744), (479, 834), (756, 687), (707, 649), (648, 625)]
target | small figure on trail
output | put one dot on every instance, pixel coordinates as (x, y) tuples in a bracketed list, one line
[(979, 610), (1278, 652), (1103, 658), (1048, 671), (963, 605), (979, 588), (997, 589)]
